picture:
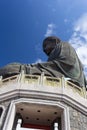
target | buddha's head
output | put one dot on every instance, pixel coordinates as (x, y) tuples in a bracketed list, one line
[(49, 44)]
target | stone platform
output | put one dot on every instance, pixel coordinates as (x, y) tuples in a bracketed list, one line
[(25, 94)]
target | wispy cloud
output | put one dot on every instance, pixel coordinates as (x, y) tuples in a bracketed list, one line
[(50, 30), (65, 20), (38, 48), (38, 61), (79, 39)]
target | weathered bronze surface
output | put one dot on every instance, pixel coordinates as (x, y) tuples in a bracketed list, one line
[(62, 61)]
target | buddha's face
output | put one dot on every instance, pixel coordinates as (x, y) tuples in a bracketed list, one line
[(48, 47)]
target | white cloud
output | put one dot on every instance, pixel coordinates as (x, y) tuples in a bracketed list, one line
[(79, 39), (65, 20), (50, 29), (38, 60)]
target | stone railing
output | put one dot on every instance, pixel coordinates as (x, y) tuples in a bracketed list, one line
[(42, 80)]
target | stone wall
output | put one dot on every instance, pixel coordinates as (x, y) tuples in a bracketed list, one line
[(5, 106), (78, 121), (61, 92)]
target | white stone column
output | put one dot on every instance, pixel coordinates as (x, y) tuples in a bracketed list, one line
[(0, 79), (19, 124), (56, 126), (8, 124)]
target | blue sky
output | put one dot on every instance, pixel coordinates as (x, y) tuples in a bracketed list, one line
[(25, 23)]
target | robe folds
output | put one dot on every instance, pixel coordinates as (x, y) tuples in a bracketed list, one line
[(62, 61)]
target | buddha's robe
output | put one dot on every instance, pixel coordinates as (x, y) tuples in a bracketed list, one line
[(62, 61)]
